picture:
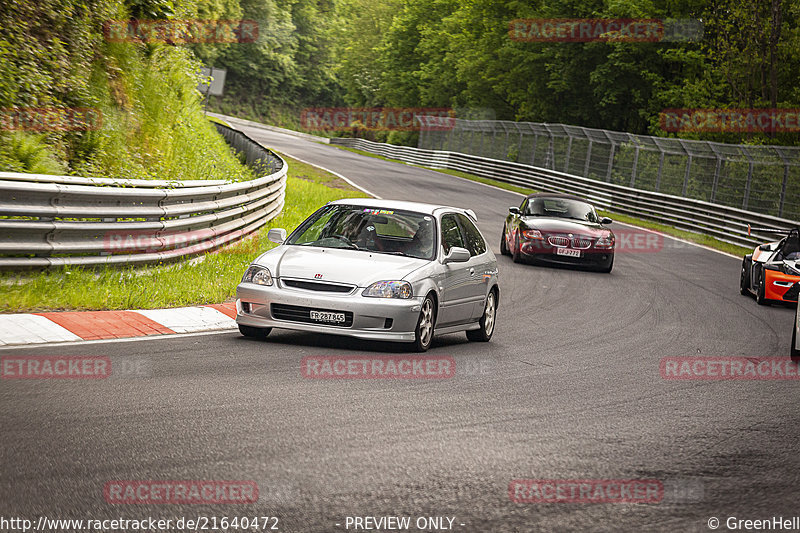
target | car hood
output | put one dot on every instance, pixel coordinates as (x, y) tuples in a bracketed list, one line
[(562, 225), (351, 267)]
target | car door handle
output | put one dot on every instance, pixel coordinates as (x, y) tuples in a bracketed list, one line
[(471, 271)]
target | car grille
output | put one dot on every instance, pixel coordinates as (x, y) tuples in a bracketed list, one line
[(296, 313), (559, 241), (317, 286)]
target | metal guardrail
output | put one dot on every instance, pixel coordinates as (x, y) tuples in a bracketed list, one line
[(49, 221), (764, 179), (725, 223)]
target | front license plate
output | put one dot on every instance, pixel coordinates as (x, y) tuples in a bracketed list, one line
[(325, 316), (569, 252)]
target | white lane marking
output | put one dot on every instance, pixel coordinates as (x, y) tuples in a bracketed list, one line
[(21, 329), (126, 339), (356, 185), (189, 319)]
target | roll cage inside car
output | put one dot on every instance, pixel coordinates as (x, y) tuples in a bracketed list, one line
[(789, 248)]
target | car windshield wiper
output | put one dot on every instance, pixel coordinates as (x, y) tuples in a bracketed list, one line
[(347, 241)]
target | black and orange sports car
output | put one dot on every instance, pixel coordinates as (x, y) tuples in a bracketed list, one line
[(772, 271)]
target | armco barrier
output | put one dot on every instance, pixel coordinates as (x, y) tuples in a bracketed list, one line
[(52, 221), (727, 224)]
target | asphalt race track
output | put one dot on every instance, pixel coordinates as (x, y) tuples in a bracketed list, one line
[(569, 388)]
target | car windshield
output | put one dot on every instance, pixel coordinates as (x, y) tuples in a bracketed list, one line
[(561, 208), (371, 229)]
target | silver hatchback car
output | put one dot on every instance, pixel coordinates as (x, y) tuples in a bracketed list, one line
[(374, 269)]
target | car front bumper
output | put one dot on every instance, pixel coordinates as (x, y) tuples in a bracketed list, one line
[(781, 287), (388, 319), (538, 251)]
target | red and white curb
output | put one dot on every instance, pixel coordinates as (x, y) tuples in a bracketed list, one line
[(65, 326)]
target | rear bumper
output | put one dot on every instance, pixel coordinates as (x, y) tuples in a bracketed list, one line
[(373, 318)]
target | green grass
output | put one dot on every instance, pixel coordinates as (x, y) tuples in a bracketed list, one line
[(209, 279), (690, 236)]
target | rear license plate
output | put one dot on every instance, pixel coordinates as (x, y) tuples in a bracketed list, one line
[(325, 316), (569, 252)]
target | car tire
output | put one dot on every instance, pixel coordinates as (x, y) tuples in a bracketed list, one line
[(761, 298), (423, 333), (516, 253), (254, 333), (744, 279), (607, 269), (487, 321), (503, 245)]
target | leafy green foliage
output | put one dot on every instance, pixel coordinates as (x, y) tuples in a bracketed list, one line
[(54, 54)]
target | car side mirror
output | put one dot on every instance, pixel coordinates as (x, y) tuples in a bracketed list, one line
[(606, 220), (513, 210), (277, 235), (457, 255)]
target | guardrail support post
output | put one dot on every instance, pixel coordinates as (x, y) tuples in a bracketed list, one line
[(611, 161), (716, 179), (588, 159), (635, 164), (660, 169), (686, 175), (569, 151), (783, 189), (746, 198)]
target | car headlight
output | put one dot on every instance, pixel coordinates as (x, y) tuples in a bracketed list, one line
[(606, 241), (388, 289), (532, 234), (258, 275)]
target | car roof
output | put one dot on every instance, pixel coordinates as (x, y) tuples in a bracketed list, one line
[(557, 195), (419, 207)]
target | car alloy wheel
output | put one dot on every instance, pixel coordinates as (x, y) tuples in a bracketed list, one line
[(425, 325), (487, 321)]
